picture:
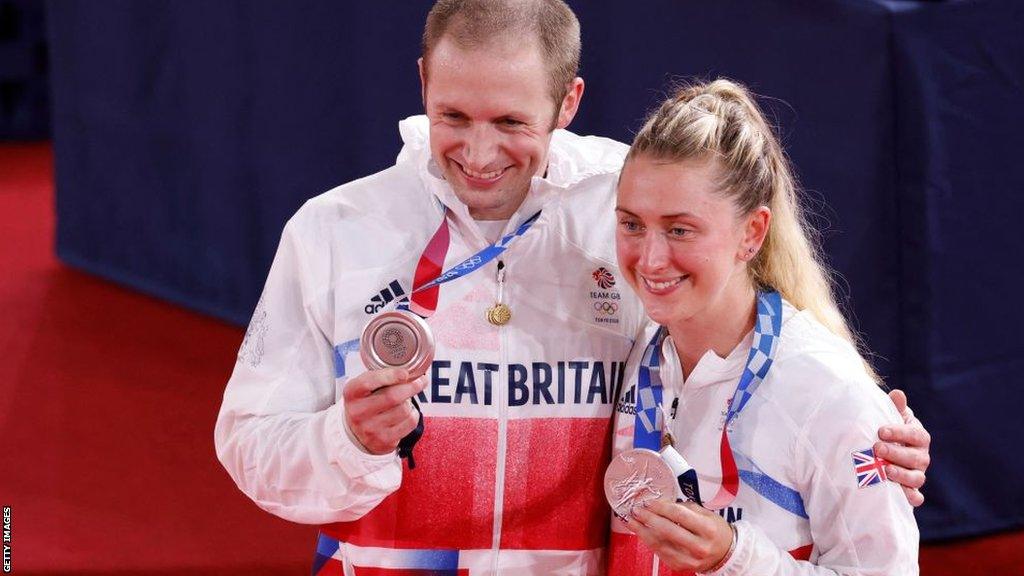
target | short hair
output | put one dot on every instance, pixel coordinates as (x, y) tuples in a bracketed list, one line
[(476, 23)]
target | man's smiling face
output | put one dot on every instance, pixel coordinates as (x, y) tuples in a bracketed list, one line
[(491, 119)]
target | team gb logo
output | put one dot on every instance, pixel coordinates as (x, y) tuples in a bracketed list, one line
[(604, 278)]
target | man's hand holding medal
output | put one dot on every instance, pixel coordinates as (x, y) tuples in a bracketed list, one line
[(397, 348)]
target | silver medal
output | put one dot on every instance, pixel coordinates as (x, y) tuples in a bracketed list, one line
[(636, 477), (397, 339)]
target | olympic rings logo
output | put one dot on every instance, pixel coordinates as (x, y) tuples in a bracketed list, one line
[(607, 307), (470, 264)]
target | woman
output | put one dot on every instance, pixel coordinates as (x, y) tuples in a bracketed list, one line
[(777, 410)]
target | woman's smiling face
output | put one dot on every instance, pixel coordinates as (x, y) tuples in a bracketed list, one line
[(679, 241)]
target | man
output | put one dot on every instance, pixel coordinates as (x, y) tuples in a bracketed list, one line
[(518, 413)]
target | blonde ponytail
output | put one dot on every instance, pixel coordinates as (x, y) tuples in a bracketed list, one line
[(721, 120)]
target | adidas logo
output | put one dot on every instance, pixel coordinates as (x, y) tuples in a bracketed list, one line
[(382, 299)]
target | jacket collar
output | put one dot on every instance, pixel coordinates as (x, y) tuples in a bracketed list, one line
[(562, 172)]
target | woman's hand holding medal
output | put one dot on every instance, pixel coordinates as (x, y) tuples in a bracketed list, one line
[(685, 536)]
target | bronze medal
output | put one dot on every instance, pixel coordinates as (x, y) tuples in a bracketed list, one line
[(397, 339)]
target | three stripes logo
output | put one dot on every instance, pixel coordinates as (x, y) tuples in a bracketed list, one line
[(384, 297)]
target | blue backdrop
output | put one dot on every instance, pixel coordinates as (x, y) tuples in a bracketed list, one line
[(187, 132), (24, 90)]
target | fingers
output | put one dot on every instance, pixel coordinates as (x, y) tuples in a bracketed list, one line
[(906, 467), (909, 457), (382, 434), (406, 425), (914, 496), (688, 514), (399, 415), (911, 437), (382, 398), (369, 382), (659, 532), (899, 398), (685, 536), (652, 520), (377, 408), (913, 479), (912, 434), (396, 394), (671, 553)]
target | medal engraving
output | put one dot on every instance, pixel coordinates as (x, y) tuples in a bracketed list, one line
[(636, 477), (395, 344), (499, 314), (397, 339)]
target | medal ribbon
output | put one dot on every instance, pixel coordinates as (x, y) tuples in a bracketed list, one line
[(649, 421), (424, 302), (428, 277)]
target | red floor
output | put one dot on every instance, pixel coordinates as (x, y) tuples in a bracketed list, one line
[(107, 405)]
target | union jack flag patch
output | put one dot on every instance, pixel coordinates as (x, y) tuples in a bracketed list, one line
[(869, 468)]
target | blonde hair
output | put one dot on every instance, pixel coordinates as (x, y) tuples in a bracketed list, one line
[(721, 120), (476, 23)]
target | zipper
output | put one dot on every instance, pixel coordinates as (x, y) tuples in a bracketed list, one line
[(501, 282), (499, 481)]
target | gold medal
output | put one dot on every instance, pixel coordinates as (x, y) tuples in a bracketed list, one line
[(499, 314)]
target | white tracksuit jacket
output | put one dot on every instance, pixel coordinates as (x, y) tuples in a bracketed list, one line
[(816, 407), (518, 418)]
